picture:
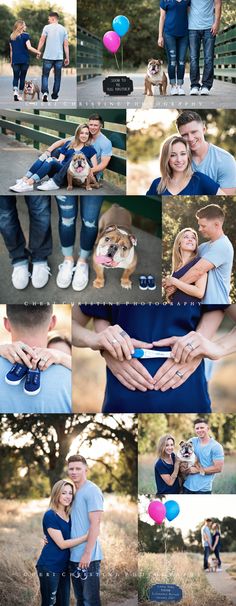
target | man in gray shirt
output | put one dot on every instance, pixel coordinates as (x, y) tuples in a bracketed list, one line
[(203, 24), (55, 38)]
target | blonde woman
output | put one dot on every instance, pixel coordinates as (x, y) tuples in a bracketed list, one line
[(167, 467), (52, 565), (48, 164), (185, 255), (177, 175), (19, 56)]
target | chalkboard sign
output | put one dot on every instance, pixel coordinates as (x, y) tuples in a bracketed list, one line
[(165, 593), (117, 85)]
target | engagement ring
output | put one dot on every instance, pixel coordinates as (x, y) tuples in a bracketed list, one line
[(123, 333), (190, 345), (180, 374)]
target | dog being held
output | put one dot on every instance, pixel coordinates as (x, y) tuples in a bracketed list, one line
[(187, 459), (155, 77), (31, 89), (114, 246), (79, 173)]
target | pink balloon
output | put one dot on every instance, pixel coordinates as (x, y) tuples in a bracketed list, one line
[(111, 41), (157, 511)]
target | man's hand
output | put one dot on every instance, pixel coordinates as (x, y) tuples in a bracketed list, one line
[(170, 290), (167, 281), (66, 62), (131, 373), (85, 560), (167, 378), (117, 342), (160, 41), (215, 28)]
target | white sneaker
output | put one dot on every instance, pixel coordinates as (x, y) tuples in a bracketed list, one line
[(45, 97), (174, 90), (181, 90), (40, 274), (204, 91), (81, 276), (64, 276), (20, 276), (194, 90), (48, 185), (22, 186)]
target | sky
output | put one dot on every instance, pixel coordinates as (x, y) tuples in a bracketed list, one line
[(194, 509), (69, 5)]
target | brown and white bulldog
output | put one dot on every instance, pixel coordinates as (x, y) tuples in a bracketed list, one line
[(115, 246), (187, 459), (155, 77), (79, 173), (31, 89)]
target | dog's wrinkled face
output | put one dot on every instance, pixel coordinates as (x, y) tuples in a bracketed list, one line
[(114, 245), (186, 449), (79, 163), (29, 87), (154, 66)]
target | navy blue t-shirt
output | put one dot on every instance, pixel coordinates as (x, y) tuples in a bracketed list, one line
[(199, 185), (164, 468), (88, 150), (176, 21), (53, 558), (217, 534), (179, 296), (20, 53), (150, 323)]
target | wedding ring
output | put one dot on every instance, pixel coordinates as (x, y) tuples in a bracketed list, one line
[(190, 345), (180, 374), (114, 341), (123, 333), (44, 360), (15, 356)]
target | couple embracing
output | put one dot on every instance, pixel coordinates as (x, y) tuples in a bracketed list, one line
[(189, 23), (71, 529)]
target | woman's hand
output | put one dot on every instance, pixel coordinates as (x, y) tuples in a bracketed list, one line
[(168, 281), (45, 357), (160, 41), (18, 352), (191, 346), (117, 342), (171, 375), (131, 373)]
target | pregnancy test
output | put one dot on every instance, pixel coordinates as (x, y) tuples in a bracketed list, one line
[(151, 353)]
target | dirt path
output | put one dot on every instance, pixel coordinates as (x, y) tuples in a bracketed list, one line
[(130, 602), (223, 583)]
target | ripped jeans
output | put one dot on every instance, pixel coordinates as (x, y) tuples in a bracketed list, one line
[(54, 587), (176, 50), (90, 207)]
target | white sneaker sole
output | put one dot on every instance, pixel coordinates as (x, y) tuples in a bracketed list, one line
[(32, 393)]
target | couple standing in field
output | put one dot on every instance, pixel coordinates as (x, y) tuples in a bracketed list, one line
[(55, 40), (187, 24), (71, 529)]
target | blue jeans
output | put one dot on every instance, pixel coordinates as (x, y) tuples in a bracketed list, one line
[(205, 557), (48, 64), (196, 37), (41, 168), (187, 491), (90, 207), (54, 587), (19, 73), (176, 49), (40, 236), (87, 593)]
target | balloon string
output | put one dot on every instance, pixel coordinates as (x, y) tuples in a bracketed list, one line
[(122, 58), (117, 64)]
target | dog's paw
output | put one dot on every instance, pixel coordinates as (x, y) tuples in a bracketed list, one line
[(88, 188), (126, 284), (98, 283)]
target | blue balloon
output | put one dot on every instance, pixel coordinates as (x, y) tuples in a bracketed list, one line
[(121, 25), (172, 510)]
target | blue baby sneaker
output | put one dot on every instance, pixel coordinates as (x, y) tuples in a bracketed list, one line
[(16, 374), (143, 282), (32, 382), (151, 284)]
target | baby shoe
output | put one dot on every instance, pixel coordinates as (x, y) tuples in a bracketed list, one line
[(151, 284), (143, 282), (16, 374), (32, 383)]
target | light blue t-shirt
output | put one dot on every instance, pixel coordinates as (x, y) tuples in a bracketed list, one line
[(103, 148), (206, 530), (55, 34), (54, 397), (206, 455), (87, 499), (221, 254), (219, 165), (201, 14)]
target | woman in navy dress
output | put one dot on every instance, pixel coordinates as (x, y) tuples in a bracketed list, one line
[(167, 467), (19, 56), (184, 256), (177, 175), (52, 565), (216, 546)]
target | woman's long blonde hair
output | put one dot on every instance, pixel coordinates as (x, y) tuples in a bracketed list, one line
[(162, 444), (17, 29), (165, 169), (76, 141), (177, 260), (55, 494)]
